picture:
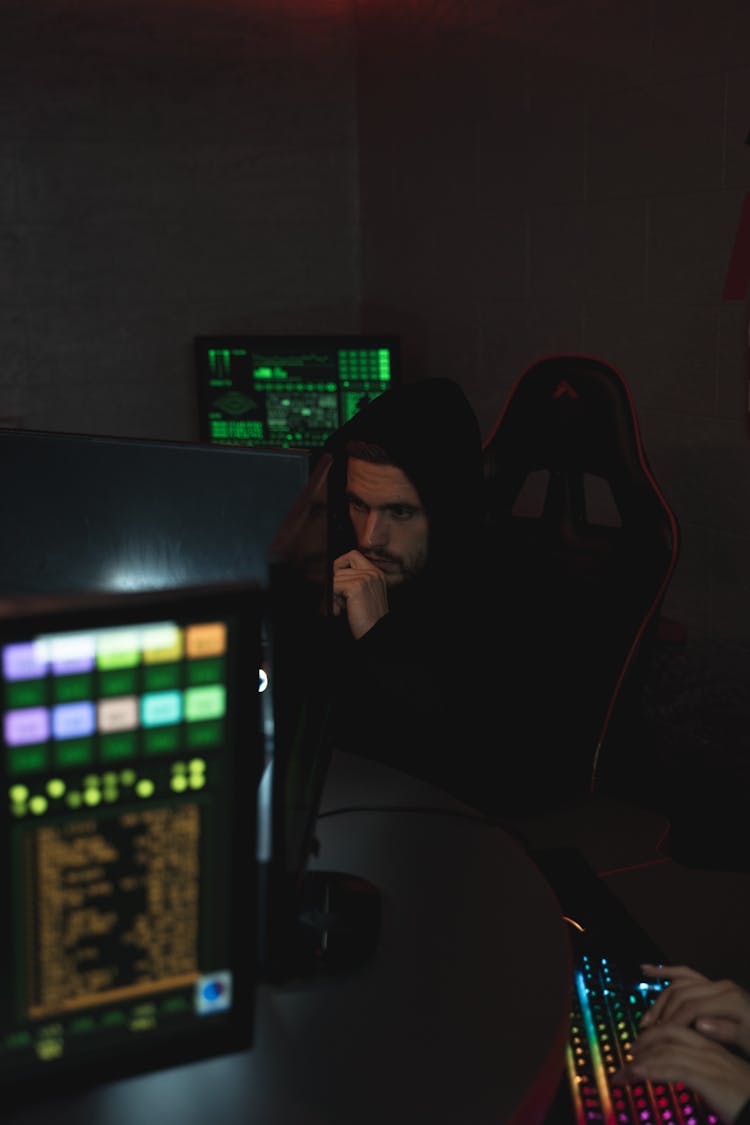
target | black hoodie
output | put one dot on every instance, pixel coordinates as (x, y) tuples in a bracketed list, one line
[(403, 685), (430, 432)]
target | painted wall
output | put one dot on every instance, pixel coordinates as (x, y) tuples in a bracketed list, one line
[(546, 176), (494, 180), (167, 168)]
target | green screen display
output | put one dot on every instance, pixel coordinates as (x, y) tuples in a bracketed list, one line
[(290, 391)]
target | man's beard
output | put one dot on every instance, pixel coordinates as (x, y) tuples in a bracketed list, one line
[(403, 575)]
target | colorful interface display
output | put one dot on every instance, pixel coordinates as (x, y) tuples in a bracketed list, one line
[(118, 760), (290, 392)]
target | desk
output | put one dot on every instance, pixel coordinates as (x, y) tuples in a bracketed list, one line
[(460, 1017)]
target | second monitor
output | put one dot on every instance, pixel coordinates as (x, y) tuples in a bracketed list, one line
[(288, 391)]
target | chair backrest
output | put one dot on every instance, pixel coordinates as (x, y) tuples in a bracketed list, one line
[(585, 545)]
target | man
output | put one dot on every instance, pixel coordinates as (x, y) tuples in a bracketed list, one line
[(405, 489)]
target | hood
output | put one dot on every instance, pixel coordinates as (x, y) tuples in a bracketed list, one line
[(431, 432)]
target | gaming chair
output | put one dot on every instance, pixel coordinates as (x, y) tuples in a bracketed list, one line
[(583, 545)]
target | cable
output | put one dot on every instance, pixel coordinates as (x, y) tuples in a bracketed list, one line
[(461, 814), (634, 866)]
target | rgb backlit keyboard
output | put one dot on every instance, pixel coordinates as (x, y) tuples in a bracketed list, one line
[(604, 1022)]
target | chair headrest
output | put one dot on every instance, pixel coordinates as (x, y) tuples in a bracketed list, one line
[(568, 412), (572, 415)]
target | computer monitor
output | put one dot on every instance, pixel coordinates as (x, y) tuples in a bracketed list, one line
[(84, 513), (130, 747), (288, 391), (298, 934)]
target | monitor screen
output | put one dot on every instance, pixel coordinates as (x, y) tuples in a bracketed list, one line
[(288, 391), (85, 513), (129, 750)]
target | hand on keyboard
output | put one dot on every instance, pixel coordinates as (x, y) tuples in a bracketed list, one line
[(681, 1035), (719, 1009), (670, 1053)]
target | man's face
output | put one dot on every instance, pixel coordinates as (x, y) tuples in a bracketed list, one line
[(389, 521)]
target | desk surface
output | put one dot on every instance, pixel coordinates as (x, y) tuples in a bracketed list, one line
[(460, 1017)]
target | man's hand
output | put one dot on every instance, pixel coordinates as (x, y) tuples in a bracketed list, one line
[(359, 589), (670, 1053), (719, 1009)]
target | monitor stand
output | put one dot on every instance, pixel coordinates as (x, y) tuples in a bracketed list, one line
[(338, 920)]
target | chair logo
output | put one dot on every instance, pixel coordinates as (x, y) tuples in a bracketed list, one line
[(564, 390)]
